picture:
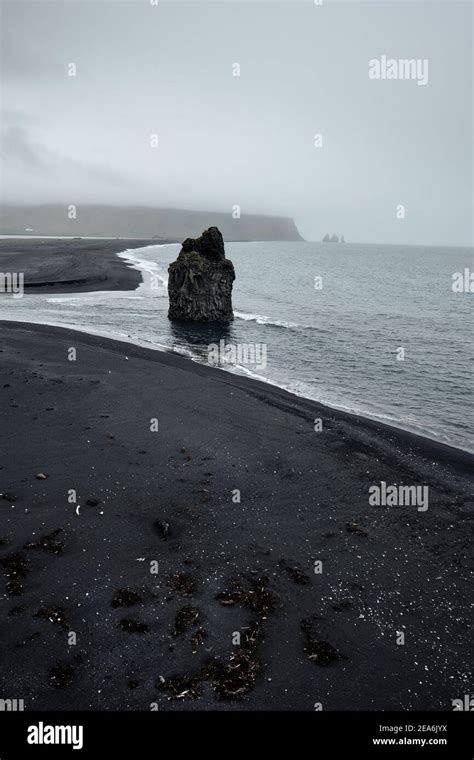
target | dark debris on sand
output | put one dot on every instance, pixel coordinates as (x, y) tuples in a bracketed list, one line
[(61, 675), (318, 650), (183, 584), (55, 615), (234, 678), (164, 528), (295, 573), (254, 596), (197, 639), (354, 527), (186, 618), (126, 597), (15, 567), (48, 543), (8, 496), (230, 680), (133, 626)]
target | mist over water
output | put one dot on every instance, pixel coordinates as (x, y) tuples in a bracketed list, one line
[(337, 344), (269, 106)]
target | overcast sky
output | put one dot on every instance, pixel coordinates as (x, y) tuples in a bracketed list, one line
[(166, 69)]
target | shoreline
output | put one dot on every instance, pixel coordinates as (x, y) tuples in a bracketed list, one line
[(439, 446), (71, 265), (167, 496), (90, 266)]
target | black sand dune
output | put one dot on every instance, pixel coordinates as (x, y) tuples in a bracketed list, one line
[(224, 567)]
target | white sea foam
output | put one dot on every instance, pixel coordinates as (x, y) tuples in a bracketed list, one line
[(262, 320), (97, 297), (150, 270)]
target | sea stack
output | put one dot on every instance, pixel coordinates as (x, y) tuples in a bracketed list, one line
[(200, 281)]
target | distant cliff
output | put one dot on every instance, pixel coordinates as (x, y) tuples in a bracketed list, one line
[(140, 222)]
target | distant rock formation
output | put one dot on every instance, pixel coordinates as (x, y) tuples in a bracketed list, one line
[(200, 281), (332, 238)]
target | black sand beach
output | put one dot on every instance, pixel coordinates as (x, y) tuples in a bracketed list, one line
[(71, 265), (224, 567)]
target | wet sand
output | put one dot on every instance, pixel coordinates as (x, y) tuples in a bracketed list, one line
[(71, 266), (207, 530)]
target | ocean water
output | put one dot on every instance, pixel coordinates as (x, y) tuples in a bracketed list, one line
[(336, 339)]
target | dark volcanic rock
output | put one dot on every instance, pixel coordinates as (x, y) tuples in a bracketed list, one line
[(200, 281)]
